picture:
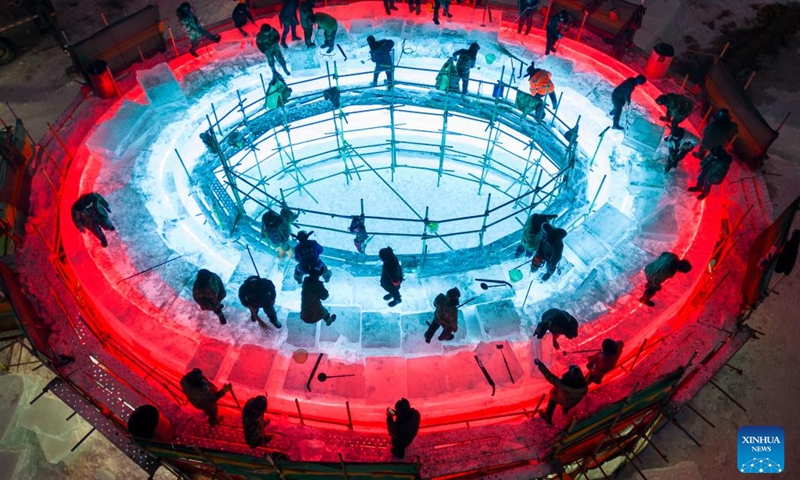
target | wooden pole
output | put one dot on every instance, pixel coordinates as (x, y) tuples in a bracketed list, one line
[(172, 39)]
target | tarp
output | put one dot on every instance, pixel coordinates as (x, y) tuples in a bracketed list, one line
[(755, 135), (119, 44), (764, 256)]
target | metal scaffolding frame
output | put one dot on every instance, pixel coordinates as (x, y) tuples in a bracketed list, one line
[(540, 178)]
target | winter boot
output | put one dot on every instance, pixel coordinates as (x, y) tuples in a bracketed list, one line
[(520, 250), (436, 20), (255, 318), (221, 317), (447, 338), (647, 301), (387, 296), (547, 419), (696, 188), (547, 276), (330, 319), (395, 302)]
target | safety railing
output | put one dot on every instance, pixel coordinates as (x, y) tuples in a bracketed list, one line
[(258, 147)]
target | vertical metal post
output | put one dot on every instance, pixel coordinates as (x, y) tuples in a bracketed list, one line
[(60, 140), (591, 205), (485, 217), (349, 416), (216, 119), (555, 108), (191, 180), (339, 135), (424, 240), (599, 143), (392, 146), (444, 136), (227, 169)]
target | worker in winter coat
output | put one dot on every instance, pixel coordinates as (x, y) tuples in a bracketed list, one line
[(194, 30), (288, 18), (661, 270), (621, 96), (329, 27), (312, 294), (403, 425), (526, 8), (256, 294), (388, 5), (718, 133), (465, 61), (359, 229), (679, 146), (267, 43), (208, 291), (380, 52), (202, 394), (414, 5), (556, 27), (557, 322), (277, 229), (391, 275), (445, 316), (713, 170), (541, 85), (306, 13), (241, 15), (532, 234), (277, 92), (567, 391), (604, 361), (306, 253), (551, 248), (678, 106), (91, 211), (253, 422)]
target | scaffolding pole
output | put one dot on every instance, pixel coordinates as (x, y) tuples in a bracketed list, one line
[(228, 175), (444, 137)]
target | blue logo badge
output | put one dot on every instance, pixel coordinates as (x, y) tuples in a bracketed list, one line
[(760, 450)]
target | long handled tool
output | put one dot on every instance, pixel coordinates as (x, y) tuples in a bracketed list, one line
[(151, 268), (514, 274), (323, 377), (486, 374), (499, 283), (508, 369), (582, 351), (313, 371), (254, 262)]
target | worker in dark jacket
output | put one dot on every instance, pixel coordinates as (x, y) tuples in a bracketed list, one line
[(380, 52), (389, 6), (551, 248), (391, 275), (267, 43), (531, 234), (202, 394), (661, 270), (621, 96), (403, 425), (241, 15), (679, 146), (557, 322), (526, 8), (567, 391), (208, 291), (256, 294), (713, 170), (445, 316), (312, 294), (465, 61), (358, 228), (91, 211), (604, 361), (253, 422), (194, 30), (306, 253), (277, 230), (414, 5), (306, 13), (718, 133), (288, 18), (329, 27), (678, 106), (556, 27)]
